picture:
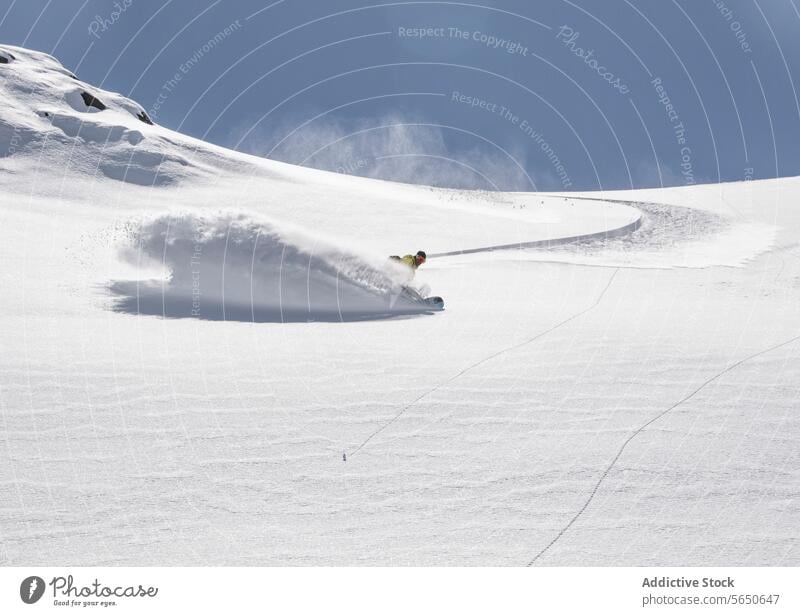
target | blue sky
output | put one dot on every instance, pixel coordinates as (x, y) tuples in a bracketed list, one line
[(546, 95)]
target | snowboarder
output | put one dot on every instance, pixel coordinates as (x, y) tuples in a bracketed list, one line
[(418, 296), (412, 261)]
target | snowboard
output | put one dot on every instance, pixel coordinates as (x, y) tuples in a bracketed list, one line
[(434, 301)]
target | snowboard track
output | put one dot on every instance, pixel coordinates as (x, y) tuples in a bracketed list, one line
[(660, 225), (641, 429), (483, 361)]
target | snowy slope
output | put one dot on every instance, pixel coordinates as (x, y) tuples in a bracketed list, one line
[(626, 399)]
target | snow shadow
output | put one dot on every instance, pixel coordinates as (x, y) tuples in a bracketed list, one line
[(236, 268)]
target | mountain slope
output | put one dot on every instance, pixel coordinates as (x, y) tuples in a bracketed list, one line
[(625, 400)]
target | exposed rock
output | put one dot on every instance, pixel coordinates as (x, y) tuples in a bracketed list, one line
[(92, 101)]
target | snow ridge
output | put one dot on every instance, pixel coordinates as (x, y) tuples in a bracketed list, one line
[(49, 113)]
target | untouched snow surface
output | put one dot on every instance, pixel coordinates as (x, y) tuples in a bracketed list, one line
[(628, 398)]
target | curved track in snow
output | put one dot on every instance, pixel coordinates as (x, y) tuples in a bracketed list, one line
[(659, 226), (549, 243)]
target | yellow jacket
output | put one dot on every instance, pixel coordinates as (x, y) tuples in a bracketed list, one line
[(410, 260)]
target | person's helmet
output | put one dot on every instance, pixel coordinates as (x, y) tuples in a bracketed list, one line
[(421, 253)]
